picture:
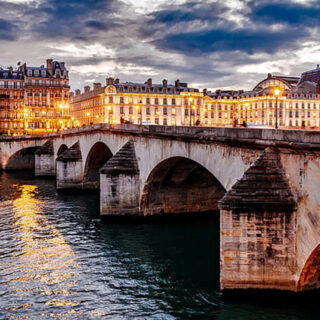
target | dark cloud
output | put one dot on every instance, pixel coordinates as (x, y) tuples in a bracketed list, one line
[(8, 30), (74, 19), (296, 14), (219, 40), (189, 12)]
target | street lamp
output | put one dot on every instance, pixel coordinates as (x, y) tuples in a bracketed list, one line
[(190, 101), (276, 93), (109, 110), (246, 107), (194, 114), (139, 116)]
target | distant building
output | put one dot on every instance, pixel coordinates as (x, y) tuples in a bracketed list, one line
[(34, 100), (297, 101)]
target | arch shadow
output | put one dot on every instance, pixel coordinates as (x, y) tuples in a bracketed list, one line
[(24, 159), (61, 149), (180, 185), (98, 155)]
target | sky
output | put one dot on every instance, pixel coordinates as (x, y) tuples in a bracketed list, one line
[(229, 44)]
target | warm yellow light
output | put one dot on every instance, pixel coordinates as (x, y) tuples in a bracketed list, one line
[(109, 107), (97, 116), (193, 107), (88, 114), (72, 118), (246, 105), (276, 92), (60, 121), (137, 107), (43, 112), (190, 99)]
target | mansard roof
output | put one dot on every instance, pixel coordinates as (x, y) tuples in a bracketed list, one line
[(311, 76)]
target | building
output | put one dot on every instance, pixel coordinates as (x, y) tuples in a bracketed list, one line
[(139, 103), (34, 100), (281, 101)]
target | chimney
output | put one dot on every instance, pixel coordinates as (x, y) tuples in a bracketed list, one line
[(77, 92), (71, 94), (177, 83), (149, 82), (164, 83), (86, 89), (116, 81), (96, 86), (50, 66), (269, 75), (205, 91), (109, 81), (318, 66)]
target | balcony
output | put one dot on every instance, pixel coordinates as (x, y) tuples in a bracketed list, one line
[(47, 85), (10, 87)]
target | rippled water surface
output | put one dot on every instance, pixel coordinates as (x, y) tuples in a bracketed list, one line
[(58, 260)]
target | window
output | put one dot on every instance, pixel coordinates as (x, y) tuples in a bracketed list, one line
[(130, 110), (121, 100), (290, 114), (43, 103), (121, 110), (156, 101), (156, 121), (173, 111), (36, 73), (165, 111), (165, 101), (186, 112), (165, 121), (173, 101), (29, 72), (43, 73), (148, 101), (110, 99), (148, 111)]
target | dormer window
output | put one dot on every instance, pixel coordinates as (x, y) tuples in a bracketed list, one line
[(36, 73), (29, 73), (43, 73)]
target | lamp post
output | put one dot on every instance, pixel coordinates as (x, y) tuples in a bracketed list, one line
[(246, 107), (276, 93), (88, 115), (194, 114), (190, 101), (109, 111), (139, 115)]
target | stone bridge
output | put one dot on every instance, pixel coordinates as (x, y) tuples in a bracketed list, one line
[(264, 183)]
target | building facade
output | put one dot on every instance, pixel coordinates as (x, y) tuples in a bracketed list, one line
[(34, 100), (281, 101)]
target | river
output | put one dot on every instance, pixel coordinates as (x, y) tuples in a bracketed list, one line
[(58, 260)]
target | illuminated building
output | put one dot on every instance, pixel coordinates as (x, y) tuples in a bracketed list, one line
[(277, 101), (139, 103), (34, 100)]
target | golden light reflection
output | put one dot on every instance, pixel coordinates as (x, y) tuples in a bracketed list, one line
[(44, 258)]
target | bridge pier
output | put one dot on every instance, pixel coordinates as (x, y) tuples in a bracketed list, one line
[(119, 184), (258, 229), (44, 160), (69, 168)]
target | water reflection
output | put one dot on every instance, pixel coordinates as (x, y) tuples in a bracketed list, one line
[(43, 262)]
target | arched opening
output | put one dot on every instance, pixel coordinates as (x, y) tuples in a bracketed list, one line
[(97, 157), (23, 159), (180, 185), (310, 274), (61, 149)]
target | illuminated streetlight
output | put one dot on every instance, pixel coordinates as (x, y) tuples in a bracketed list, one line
[(276, 93)]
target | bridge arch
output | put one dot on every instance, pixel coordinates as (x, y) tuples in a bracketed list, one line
[(310, 274), (98, 155), (23, 159), (179, 184)]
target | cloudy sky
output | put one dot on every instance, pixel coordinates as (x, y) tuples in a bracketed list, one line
[(212, 44)]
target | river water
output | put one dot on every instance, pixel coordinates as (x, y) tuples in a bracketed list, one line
[(58, 260)]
